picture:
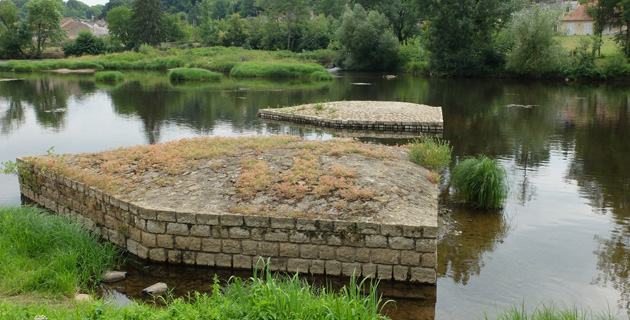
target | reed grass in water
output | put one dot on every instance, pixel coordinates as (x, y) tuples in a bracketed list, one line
[(481, 182)]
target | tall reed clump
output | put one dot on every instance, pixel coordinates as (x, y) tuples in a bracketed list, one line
[(195, 74), (552, 312), (48, 254), (109, 76), (276, 69), (481, 182), (433, 154)]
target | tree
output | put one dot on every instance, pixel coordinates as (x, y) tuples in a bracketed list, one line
[(14, 37), (44, 19), (111, 4), (613, 13), (404, 15), (77, 9), (536, 52), (119, 21), (175, 28), (367, 40), (85, 43), (147, 24), (461, 36), (292, 13)]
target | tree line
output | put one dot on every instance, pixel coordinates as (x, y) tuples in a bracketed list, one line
[(444, 37)]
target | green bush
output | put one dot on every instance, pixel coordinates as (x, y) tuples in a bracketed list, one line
[(433, 154), (275, 69), (321, 75), (48, 254), (481, 182), (109, 76), (181, 74), (85, 43), (614, 67)]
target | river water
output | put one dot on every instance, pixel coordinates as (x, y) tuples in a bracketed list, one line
[(564, 235)]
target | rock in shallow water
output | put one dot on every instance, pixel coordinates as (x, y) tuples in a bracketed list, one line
[(156, 289), (113, 276)]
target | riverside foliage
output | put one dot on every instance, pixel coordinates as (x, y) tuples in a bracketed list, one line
[(481, 182)]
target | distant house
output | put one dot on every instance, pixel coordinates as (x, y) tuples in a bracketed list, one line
[(73, 27), (578, 22)]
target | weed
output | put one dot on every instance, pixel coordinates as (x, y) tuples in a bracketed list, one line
[(481, 182), (318, 106), (196, 74), (109, 76), (433, 154), (255, 176)]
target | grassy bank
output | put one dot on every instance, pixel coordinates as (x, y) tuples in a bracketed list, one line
[(218, 59), (48, 254), (193, 74)]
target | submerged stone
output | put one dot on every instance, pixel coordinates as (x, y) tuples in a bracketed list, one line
[(156, 289), (113, 276)]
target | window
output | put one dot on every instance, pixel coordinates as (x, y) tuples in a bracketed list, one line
[(588, 28), (571, 29)]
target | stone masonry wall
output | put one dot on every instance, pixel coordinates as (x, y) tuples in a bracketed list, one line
[(321, 247)]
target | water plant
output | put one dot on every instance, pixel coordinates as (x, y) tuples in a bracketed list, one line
[(49, 254), (109, 76), (481, 182), (196, 74), (551, 311), (276, 69), (432, 153)]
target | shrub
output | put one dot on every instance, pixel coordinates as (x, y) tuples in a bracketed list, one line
[(109, 76), (85, 43), (615, 66), (275, 69), (433, 154), (481, 181), (193, 74), (321, 75)]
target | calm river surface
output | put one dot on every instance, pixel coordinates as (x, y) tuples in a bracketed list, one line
[(564, 235)]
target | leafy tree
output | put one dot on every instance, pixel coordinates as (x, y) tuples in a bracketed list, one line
[(111, 4), (85, 43), (616, 14), (536, 52), (403, 15), (119, 20), (293, 14), (316, 34), (14, 37), (332, 8), (175, 28), (77, 9), (461, 36), (366, 40), (44, 18), (147, 24), (238, 30)]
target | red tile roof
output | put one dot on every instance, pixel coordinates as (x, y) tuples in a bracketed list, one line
[(579, 14)]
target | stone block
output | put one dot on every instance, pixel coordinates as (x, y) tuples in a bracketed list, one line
[(333, 268), (188, 243), (426, 245), (391, 230), (249, 247), (143, 252), (344, 226), (305, 225), (334, 240), (363, 255), (186, 217), (299, 237), (401, 273), (385, 256), (177, 229), (308, 251), (223, 260), (376, 241), (256, 233), (205, 259), (277, 236), (289, 250), (132, 246), (256, 221), (368, 228), (242, 262), (430, 232), (134, 233), (412, 231), (325, 225), (318, 238), (200, 231), (239, 233), (384, 272), (165, 241), (231, 220), (327, 252), (350, 269), (409, 258), (346, 254), (369, 270), (318, 267), (211, 245), (174, 256), (401, 243), (231, 246), (423, 275), (282, 223), (220, 232), (267, 249), (207, 219), (149, 239), (169, 216), (429, 260), (298, 265), (278, 264), (188, 257)]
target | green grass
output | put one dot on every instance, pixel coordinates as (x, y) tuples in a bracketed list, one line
[(571, 42), (481, 182), (552, 312), (263, 296), (276, 69), (321, 75), (183, 74), (109, 76), (49, 254), (433, 154)]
